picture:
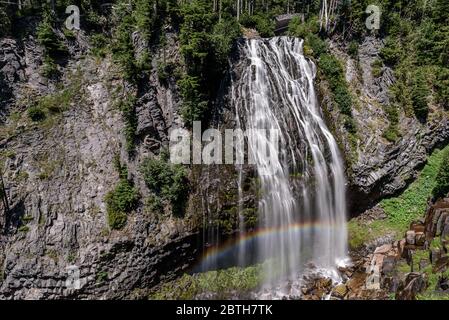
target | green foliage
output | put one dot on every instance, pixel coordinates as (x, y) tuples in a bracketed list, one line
[(123, 49), (220, 283), (166, 181), (138, 15), (224, 34), (442, 87), (392, 132), (145, 16), (47, 37), (391, 53), (308, 31), (119, 201), (441, 188), (318, 46), (49, 68), (412, 203), (36, 114), (262, 22), (206, 43), (195, 104), (353, 49), (360, 233), (419, 94), (127, 107), (99, 44), (154, 204), (5, 22), (302, 30), (376, 68), (102, 276), (56, 102), (163, 71), (403, 209), (24, 229), (53, 47), (416, 43), (333, 71)]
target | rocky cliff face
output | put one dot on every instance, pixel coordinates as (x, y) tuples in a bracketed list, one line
[(376, 167), (58, 171)]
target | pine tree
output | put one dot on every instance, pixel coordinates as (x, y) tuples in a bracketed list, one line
[(420, 92)]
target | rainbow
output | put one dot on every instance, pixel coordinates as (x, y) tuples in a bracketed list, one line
[(226, 247)]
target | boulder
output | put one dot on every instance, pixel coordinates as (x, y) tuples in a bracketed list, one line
[(373, 281), (417, 226), (435, 254), (340, 291), (420, 238), (383, 249), (413, 284), (410, 237), (441, 264), (443, 284)]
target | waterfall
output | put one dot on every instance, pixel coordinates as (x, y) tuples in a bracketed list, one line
[(302, 208)]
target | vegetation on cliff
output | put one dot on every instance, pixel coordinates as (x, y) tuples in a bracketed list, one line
[(167, 181), (403, 209), (121, 200)]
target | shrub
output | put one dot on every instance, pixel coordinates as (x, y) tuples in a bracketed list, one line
[(334, 74), (47, 37), (36, 114), (119, 202), (441, 188), (24, 229), (318, 45), (154, 204), (442, 87), (302, 30), (392, 132), (391, 52), (123, 49), (331, 67), (353, 49), (166, 181), (376, 68), (49, 68), (262, 22), (99, 44), (224, 34), (194, 104), (128, 110), (5, 23), (419, 95)]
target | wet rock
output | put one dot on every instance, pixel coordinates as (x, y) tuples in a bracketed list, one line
[(410, 237), (357, 281), (435, 254), (323, 283), (340, 291), (441, 265), (383, 249), (420, 238), (413, 284), (443, 284), (417, 226)]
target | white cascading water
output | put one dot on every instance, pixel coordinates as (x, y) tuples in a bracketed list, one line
[(302, 208)]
